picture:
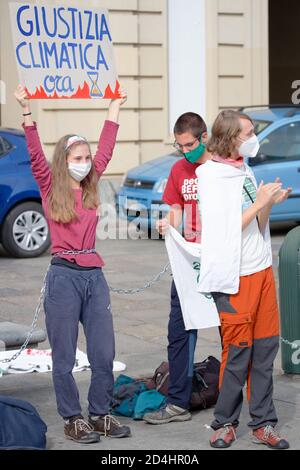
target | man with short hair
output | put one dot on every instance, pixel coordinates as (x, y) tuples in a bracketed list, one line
[(181, 195)]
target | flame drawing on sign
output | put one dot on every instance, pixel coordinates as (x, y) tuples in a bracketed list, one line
[(83, 92)]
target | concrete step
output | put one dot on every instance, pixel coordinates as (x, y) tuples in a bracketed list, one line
[(13, 335)]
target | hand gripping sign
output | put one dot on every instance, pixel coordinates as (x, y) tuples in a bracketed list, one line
[(63, 51)]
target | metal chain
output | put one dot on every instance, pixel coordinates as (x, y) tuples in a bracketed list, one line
[(74, 252), (149, 284), (33, 324), (115, 290), (38, 308), (288, 343)]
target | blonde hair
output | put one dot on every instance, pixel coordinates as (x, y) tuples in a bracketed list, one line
[(61, 200), (225, 131)]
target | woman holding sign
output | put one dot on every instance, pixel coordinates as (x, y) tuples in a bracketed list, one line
[(76, 289)]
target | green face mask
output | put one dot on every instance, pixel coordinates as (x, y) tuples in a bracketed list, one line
[(196, 154)]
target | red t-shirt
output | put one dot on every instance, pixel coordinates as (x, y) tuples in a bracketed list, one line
[(182, 190)]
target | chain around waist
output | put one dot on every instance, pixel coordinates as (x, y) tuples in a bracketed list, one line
[(58, 254)]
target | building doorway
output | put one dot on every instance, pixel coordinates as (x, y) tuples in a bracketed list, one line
[(284, 49)]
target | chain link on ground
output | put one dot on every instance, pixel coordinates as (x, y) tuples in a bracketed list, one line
[(148, 285), (115, 290), (32, 327)]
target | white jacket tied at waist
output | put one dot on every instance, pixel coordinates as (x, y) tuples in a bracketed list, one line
[(199, 311)]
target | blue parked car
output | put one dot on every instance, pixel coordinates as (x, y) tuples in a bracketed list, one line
[(278, 129), (23, 228)]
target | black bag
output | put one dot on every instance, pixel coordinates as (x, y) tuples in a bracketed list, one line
[(205, 388), (160, 380), (20, 425)]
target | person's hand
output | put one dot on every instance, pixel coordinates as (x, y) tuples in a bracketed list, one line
[(21, 97), (282, 195), (162, 226), (267, 194), (122, 100)]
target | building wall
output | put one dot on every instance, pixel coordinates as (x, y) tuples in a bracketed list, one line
[(186, 58), (236, 74), (139, 34), (237, 54)]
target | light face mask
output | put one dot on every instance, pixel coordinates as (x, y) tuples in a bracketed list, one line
[(78, 171), (249, 148), (194, 155)]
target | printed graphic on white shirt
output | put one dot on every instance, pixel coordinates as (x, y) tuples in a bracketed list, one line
[(255, 255), (198, 310), (249, 193)]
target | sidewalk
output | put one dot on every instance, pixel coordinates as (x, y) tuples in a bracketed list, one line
[(141, 328)]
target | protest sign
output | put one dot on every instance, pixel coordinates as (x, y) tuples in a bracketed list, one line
[(63, 51)]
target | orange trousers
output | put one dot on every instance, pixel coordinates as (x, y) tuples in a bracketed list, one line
[(250, 342)]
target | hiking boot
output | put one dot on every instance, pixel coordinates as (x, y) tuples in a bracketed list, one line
[(168, 414), (224, 437), (109, 426), (78, 430), (268, 436)]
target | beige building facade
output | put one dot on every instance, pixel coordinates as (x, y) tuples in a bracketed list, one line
[(172, 56)]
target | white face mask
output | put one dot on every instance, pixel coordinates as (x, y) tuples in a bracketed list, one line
[(79, 171), (249, 148)]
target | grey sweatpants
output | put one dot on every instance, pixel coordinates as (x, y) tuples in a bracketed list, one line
[(71, 297)]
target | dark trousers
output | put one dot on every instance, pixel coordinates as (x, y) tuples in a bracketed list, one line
[(71, 297), (181, 350)]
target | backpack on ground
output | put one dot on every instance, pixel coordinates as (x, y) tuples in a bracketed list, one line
[(160, 379), (205, 388), (21, 427)]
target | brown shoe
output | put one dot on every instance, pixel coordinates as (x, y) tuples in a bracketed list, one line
[(224, 437), (79, 430), (109, 426), (270, 437)]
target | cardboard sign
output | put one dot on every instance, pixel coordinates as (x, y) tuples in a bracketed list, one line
[(63, 51)]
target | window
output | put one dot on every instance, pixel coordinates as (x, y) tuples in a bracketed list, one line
[(260, 126), (282, 144), (5, 146)]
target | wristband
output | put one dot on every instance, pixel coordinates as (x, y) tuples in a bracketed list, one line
[(27, 114)]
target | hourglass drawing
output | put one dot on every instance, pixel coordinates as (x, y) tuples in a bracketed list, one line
[(94, 89)]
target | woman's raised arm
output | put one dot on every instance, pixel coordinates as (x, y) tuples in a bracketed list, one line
[(39, 165), (108, 135)]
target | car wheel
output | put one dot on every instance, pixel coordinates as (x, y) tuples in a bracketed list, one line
[(25, 231)]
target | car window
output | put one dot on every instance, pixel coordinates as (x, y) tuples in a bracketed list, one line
[(283, 144), (260, 126), (5, 146)]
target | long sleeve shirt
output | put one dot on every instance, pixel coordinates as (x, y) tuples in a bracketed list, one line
[(79, 234)]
